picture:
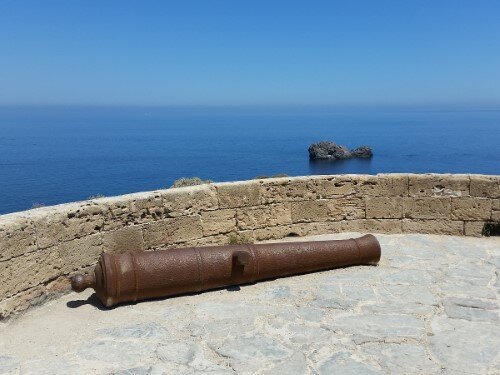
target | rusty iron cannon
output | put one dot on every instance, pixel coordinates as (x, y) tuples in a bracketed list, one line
[(136, 276)]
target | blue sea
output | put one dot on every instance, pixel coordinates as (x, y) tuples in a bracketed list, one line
[(51, 155)]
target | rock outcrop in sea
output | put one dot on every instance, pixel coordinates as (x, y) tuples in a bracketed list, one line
[(331, 151)]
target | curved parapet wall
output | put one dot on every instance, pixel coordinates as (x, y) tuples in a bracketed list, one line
[(40, 248)]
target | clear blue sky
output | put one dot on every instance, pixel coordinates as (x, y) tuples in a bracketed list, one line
[(251, 52)]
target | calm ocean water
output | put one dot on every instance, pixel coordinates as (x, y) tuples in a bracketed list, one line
[(56, 155)]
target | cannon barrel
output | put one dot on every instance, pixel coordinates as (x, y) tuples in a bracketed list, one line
[(136, 276)]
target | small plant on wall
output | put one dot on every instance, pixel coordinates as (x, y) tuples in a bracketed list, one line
[(491, 229), (189, 181)]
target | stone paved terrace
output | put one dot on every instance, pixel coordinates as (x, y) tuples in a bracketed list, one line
[(430, 307)]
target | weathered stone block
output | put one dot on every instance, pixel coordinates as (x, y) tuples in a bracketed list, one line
[(22, 301), (346, 208), (170, 231), (342, 185), (307, 188), (63, 283), (485, 186), (143, 202), (495, 216), (238, 194), (219, 221), (17, 236), (312, 229), (264, 216), (189, 200), (495, 213), (278, 190), (324, 187), (219, 239), (382, 185), (279, 231), (495, 204), (372, 225), (427, 208), (131, 209), (241, 236), (304, 188), (468, 208), (138, 208), (439, 185), (235, 237), (474, 228), (433, 227), (79, 253), (310, 211), (116, 211), (127, 239), (26, 271), (66, 222), (144, 207), (384, 207), (297, 230), (36, 295), (338, 208)]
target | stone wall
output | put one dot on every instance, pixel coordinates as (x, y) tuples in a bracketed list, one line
[(40, 248)]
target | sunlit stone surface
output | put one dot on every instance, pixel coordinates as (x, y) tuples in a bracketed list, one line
[(430, 307)]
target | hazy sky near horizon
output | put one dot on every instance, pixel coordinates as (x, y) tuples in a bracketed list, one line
[(250, 52)]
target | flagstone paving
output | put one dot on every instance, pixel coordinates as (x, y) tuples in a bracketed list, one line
[(430, 307)]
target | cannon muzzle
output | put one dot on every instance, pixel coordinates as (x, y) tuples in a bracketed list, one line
[(151, 274)]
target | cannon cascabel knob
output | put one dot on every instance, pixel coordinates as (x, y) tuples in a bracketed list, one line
[(81, 282)]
